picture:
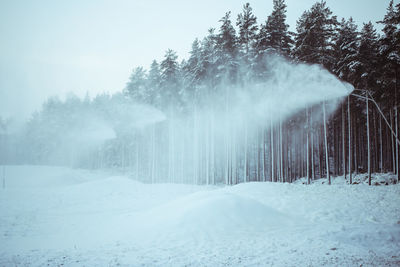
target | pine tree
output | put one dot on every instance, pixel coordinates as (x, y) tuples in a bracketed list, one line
[(273, 37), (208, 66), (389, 46), (262, 49), (346, 48), (227, 50), (136, 87), (247, 23), (153, 83), (389, 55), (276, 29), (315, 31), (169, 78), (367, 59), (191, 71), (194, 63), (389, 52)]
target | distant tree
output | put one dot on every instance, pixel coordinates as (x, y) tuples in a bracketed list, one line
[(3, 141), (153, 83), (3, 125), (136, 86)]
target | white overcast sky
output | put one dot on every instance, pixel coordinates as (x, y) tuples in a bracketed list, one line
[(52, 47)]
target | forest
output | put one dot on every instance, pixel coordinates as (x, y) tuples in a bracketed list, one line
[(253, 102)]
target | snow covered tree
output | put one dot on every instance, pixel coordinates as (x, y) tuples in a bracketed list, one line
[(367, 59), (389, 43), (227, 50), (208, 63), (170, 91), (273, 37), (315, 31), (247, 23), (276, 29), (136, 87), (389, 56), (194, 63), (346, 44), (153, 83), (389, 52)]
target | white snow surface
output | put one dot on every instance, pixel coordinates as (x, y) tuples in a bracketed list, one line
[(53, 216)]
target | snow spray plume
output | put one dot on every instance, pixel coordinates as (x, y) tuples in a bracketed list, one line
[(224, 133), (73, 132), (289, 88), (228, 133)]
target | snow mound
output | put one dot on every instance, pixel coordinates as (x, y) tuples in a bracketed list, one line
[(214, 211)]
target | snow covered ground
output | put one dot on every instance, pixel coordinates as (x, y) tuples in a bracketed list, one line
[(52, 216)]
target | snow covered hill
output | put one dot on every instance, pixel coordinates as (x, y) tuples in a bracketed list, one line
[(59, 216)]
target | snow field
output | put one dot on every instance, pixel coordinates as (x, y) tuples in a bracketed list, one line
[(59, 216)]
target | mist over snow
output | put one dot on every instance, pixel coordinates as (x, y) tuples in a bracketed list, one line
[(196, 142)]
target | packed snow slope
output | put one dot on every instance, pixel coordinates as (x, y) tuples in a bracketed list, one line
[(59, 216)]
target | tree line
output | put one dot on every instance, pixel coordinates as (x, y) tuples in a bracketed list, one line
[(312, 143)]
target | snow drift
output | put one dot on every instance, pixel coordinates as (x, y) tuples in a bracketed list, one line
[(214, 211), (73, 217)]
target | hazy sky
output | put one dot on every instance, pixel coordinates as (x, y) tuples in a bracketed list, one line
[(54, 47)]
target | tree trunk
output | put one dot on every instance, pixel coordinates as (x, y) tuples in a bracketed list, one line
[(397, 145), (281, 150), (368, 143), (312, 146), (355, 145), (349, 123), (344, 141), (326, 146), (308, 147), (393, 144), (272, 153), (153, 154), (380, 146), (245, 153)]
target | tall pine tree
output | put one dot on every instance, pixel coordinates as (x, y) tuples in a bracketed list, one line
[(277, 35), (247, 23), (136, 87), (169, 82), (227, 50), (315, 32), (346, 45)]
